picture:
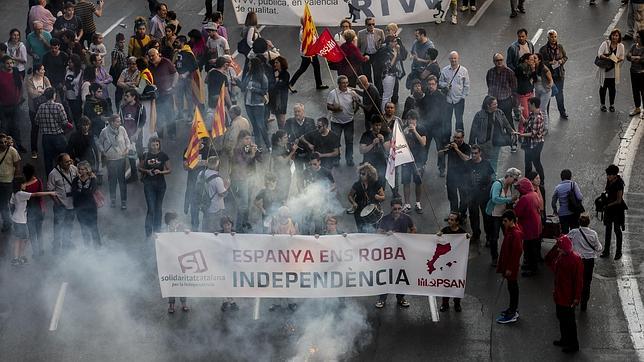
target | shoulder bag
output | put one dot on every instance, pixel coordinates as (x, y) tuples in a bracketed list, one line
[(574, 204)]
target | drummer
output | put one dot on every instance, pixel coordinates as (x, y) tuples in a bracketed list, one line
[(395, 222), (366, 191)]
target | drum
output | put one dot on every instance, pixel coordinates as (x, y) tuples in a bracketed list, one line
[(371, 214)]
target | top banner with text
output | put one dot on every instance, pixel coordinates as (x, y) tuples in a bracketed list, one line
[(283, 266), (330, 12)]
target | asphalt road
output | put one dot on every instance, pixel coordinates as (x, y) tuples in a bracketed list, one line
[(113, 310)]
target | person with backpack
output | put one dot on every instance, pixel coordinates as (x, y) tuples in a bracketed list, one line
[(614, 211), (209, 193), (586, 243), (568, 211), (154, 165)]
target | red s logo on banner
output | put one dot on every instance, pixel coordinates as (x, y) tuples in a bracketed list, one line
[(326, 47)]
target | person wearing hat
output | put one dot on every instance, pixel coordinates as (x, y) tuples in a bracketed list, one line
[(569, 280), (216, 45)]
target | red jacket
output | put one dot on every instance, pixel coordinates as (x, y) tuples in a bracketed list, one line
[(10, 94), (527, 210), (569, 276), (510, 255), (353, 56)]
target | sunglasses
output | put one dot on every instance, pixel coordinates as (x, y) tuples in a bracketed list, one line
[(371, 24)]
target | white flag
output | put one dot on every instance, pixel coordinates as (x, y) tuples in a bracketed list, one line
[(399, 154)]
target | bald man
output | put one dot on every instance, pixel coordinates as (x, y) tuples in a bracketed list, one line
[(456, 79)]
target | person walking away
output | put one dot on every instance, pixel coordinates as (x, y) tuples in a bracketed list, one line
[(60, 180), (636, 57), (395, 222), (586, 243), (614, 211), (532, 138), (305, 61), (529, 218), (114, 144), (154, 165), (52, 121), (19, 201), (501, 198), (554, 56), (508, 264), (86, 11), (569, 275), (566, 189), (611, 50), (84, 186), (453, 227)]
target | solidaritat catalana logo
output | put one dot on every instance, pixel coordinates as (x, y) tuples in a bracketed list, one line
[(193, 261)]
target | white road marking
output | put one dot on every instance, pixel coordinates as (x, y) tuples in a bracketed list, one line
[(113, 26), (58, 307), (615, 21), (433, 309), (256, 309), (202, 12), (480, 12), (536, 36), (627, 285)]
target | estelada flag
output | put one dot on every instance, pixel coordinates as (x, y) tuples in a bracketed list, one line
[(219, 118), (197, 132), (308, 30), (399, 153), (326, 47)]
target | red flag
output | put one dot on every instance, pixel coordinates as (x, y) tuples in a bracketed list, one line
[(326, 47)]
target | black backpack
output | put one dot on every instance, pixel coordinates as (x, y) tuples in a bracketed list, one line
[(202, 198), (600, 205)]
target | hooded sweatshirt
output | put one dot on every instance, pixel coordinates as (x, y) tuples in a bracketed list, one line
[(510, 255), (528, 209), (569, 272)]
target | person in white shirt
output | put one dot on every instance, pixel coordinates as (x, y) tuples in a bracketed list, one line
[(342, 104), (19, 218), (157, 23), (456, 80), (586, 243)]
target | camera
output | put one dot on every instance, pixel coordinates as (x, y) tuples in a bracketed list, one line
[(247, 149)]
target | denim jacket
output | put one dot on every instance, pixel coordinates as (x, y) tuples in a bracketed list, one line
[(256, 90)]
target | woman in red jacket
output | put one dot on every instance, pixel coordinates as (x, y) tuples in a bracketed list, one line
[(351, 66), (508, 264), (528, 213), (569, 281)]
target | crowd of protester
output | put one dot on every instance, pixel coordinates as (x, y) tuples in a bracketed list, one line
[(91, 118)]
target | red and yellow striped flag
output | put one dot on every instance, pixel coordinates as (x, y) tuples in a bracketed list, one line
[(198, 132), (309, 32), (219, 119)]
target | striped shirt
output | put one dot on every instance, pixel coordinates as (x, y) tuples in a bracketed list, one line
[(85, 12)]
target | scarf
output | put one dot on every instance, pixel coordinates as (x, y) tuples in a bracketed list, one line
[(553, 51)]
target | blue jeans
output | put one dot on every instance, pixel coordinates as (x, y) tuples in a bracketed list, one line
[(154, 192), (457, 109), (256, 116), (116, 173), (52, 146), (63, 224)]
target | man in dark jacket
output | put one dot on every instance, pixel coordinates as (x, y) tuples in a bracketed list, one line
[(554, 56), (569, 281), (521, 46), (491, 130), (371, 100), (508, 264), (435, 121), (95, 108)]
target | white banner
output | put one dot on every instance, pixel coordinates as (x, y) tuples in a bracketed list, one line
[(330, 12), (280, 266)]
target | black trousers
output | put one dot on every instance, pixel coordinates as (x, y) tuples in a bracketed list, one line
[(438, 135), (348, 129), (567, 326), (637, 86), (610, 227), (457, 190), (304, 65), (532, 156), (493, 237), (376, 66), (568, 222), (220, 7), (589, 266), (513, 290), (609, 85), (531, 251), (476, 207)]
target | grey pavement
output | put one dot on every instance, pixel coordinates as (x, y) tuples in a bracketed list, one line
[(113, 309)]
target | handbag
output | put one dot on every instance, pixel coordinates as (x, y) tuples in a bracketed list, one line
[(150, 92), (604, 63), (99, 198), (554, 90), (574, 204), (243, 47)]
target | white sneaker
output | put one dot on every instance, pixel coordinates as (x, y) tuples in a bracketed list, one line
[(635, 112), (464, 8), (439, 20), (406, 208), (454, 21), (419, 208), (473, 8)]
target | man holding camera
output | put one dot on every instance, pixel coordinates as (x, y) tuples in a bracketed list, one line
[(458, 152)]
